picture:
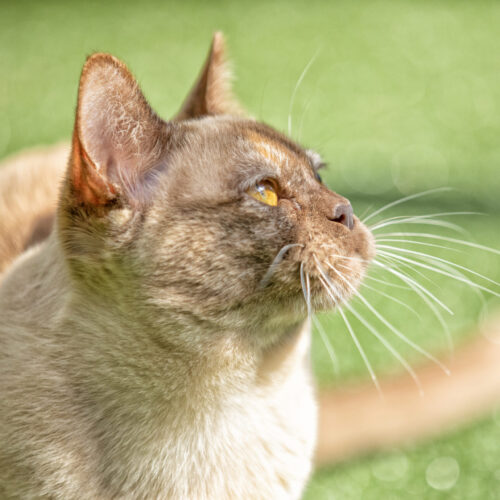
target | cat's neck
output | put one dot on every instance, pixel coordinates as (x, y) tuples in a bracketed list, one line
[(121, 352), (121, 329), (206, 360)]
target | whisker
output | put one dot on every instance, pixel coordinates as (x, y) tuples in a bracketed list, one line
[(365, 210), (328, 286), (399, 265), (439, 259), (297, 85), (454, 271), (357, 259), (414, 242), (425, 216), (367, 276), (386, 283), (362, 352), (275, 263), (407, 279), (390, 348), (305, 290), (423, 222), (301, 123), (381, 318), (440, 271), (454, 274), (406, 198), (355, 339), (394, 299), (327, 344), (445, 238), (419, 290), (413, 285), (308, 288)]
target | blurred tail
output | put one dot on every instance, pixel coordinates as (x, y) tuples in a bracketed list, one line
[(29, 186), (358, 420)]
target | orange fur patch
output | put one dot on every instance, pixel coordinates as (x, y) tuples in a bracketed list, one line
[(271, 150)]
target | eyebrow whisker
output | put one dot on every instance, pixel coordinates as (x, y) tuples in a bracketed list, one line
[(296, 88)]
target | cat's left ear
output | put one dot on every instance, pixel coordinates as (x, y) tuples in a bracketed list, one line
[(117, 139), (212, 93)]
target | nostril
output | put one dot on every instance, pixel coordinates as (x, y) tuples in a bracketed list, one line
[(343, 214)]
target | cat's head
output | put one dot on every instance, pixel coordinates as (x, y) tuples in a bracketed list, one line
[(211, 218)]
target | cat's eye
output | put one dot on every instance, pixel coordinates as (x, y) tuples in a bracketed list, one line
[(318, 177), (265, 191)]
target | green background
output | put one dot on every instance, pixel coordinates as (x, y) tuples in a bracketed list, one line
[(401, 97)]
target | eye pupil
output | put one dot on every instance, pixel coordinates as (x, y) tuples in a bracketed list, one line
[(318, 177)]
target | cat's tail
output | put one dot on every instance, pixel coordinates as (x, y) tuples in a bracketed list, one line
[(29, 186), (358, 420)]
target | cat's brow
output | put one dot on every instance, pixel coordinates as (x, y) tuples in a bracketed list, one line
[(269, 148)]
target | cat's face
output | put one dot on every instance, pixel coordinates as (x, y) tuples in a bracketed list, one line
[(215, 242), (216, 217)]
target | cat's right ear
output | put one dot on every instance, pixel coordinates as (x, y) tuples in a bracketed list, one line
[(117, 137)]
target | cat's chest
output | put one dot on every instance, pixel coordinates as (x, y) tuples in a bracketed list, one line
[(254, 445)]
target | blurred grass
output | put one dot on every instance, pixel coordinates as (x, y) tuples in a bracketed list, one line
[(402, 96)]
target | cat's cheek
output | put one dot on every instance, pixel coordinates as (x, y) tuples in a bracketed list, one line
[(290, 209)]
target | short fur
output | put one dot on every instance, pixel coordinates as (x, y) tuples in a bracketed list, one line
[(141, 356)]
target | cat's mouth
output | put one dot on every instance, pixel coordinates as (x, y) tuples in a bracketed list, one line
[(328, 283), (331, 272)]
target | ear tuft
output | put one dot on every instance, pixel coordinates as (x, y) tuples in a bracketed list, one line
[(212, 93)]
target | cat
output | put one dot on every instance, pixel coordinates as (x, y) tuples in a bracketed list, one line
[(142, 355), (155, 302)]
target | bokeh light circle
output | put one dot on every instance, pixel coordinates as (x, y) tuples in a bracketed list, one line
[(442, 473)]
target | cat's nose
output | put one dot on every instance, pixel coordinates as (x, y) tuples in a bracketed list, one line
[(343, 214)]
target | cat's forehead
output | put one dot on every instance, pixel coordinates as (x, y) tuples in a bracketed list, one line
[(270, 148), (278, 148), (262, 141)]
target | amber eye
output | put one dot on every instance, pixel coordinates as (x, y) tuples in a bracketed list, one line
[(265, 191)]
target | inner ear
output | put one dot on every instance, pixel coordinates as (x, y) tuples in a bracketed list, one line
[(117, 138), (212, 93)]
